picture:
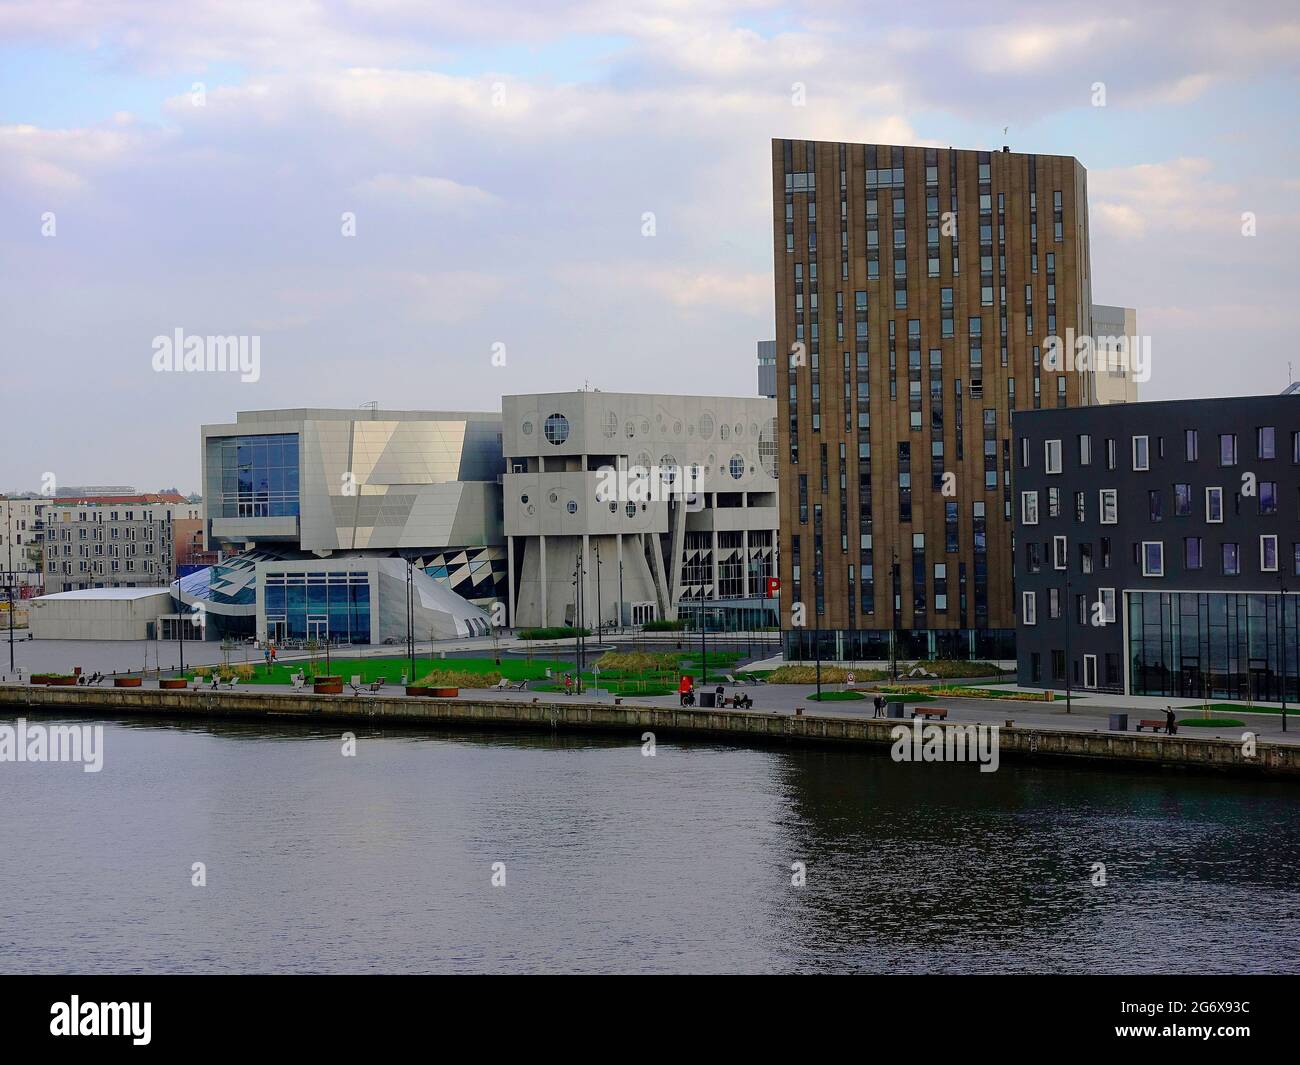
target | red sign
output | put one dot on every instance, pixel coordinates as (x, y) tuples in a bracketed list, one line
[(773, 586)]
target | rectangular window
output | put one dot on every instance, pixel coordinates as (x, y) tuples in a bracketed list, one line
[(1029, 608), (1153, 558), (1060, 552), (1231, 560), (1265, 442), (1109, 506), (1029, 508), (1191, 445), (1268, 497), (1182, 500), (1193, 557), (1111, 453), (1268, 553), (1214, 505), (1052, 455), (1106, 596), (1227, 449), (1141, 453), (1155, 505)]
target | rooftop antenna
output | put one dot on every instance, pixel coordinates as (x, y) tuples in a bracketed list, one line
[(372, 405)]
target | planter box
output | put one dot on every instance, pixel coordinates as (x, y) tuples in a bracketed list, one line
[(40, 678), (173, 683), (328, 686), (61, 682), (126, 682), (435, 693), (445, 693)]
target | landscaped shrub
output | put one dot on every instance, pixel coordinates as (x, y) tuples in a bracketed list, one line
[(830, 675), (636, 662), (951, 668), (664, 626), (458, 678), (553, 632)]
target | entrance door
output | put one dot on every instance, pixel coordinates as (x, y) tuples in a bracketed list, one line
[(1189, 679), (1090, 671), (277, 629), (318, 628)]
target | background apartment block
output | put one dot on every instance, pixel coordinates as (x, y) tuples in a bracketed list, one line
[(20, 543), (916, 288), (1114, 382), (114, 541), (649, 558)]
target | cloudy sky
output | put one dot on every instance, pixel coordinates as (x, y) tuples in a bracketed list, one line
[(189, 165)]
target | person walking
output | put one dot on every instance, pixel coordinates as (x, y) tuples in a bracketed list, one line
[(1171, 726)]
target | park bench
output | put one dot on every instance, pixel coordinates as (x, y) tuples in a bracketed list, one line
[(930, 711), (1155, 724)]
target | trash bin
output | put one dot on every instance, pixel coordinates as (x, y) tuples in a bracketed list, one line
[(894, 710), (1119, 722), (708, 699)]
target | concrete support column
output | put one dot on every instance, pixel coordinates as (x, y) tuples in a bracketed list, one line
[(585, 579), (744, 562), (618, 575), (713, 534), (510, 580), (541, 575)]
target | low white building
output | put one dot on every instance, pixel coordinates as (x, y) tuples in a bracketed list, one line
[(100, 614)]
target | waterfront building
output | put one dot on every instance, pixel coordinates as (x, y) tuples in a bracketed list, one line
[(916, 289), (669, 501), (318, 512), (20, 548), (767, 368), (1156, 548)]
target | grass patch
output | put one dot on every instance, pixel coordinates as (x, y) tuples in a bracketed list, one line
[(1211, 722), (834, 697), (906, 696), (392, 669), (946, 668)]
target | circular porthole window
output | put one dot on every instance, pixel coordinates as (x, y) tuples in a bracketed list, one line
[(613, 507), (677, 428), (555, 499), (737, 466), (557, 429), (706, 426), (631, 510), (573, 506), (524, 499), (610, 428), (724, 431), (527, 427)]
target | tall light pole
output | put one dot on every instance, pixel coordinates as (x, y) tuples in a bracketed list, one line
[(817, 627), (895, 608), (596, 548), (9, 537), (1281, 643), (410, 615), (1067, 609)]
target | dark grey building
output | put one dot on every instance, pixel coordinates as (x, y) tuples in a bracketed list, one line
[(767, 368), (1155, 544)]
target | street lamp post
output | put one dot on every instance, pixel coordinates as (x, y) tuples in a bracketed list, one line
[(817, 630), (894, 609), (596, 548), (1281, 643), (1066, 609), (704, 654), (410, 615), (9, 577)]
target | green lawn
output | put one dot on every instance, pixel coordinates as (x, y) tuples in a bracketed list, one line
[(1211, 722), (834, 696), (512, 667), (906, 697)]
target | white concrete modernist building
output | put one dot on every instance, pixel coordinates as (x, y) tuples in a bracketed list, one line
[(327, 493), (100, 614), (605, 476)]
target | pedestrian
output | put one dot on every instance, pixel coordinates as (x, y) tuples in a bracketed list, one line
[(568, 683), (1171, 726)]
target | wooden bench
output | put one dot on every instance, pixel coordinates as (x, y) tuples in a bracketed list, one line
[(930, 711), (1153, 723)]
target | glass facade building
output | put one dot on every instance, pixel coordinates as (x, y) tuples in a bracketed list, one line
[(1214, 645), (259, 476), (324, 605)]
